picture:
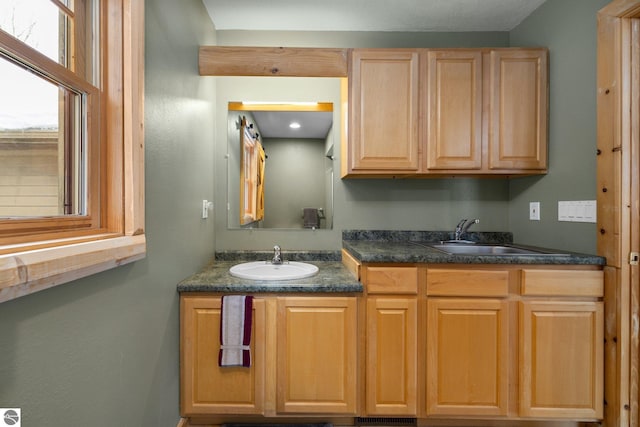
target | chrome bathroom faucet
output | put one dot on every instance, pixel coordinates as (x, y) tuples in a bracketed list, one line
[(277, 256), (463, 226)]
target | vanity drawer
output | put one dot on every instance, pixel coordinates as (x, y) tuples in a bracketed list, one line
[(576, 283), (391, 280), (467, 282)]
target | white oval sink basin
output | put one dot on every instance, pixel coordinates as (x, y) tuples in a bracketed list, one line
[(263, 270)]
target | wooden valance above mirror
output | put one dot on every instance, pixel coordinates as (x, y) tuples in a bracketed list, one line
[(272, 61)]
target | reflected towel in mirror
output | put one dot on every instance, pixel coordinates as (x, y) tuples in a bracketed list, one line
[(311, 219)]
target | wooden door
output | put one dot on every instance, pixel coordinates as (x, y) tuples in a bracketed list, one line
[(316, 355), (518, 109), (561, 359), (391, 353), (467, 357), (618, 194), (383, 111), (207, 388), (454, 117)]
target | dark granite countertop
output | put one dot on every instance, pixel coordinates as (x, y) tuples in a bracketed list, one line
[(400, 247), (367, 246), (332, 277)]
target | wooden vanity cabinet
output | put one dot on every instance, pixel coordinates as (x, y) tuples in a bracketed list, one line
[(205, 387), (421, 112), (304, 352), (538, 327), (508, 342), (317, 355), (391, 378), (561, 344), (467, 371)]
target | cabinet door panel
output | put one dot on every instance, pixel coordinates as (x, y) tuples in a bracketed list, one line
[(561, 351), (316, 357), (467, 357), (206, 387), (454, 100), (391, 356), (518, 112), (383, 106)]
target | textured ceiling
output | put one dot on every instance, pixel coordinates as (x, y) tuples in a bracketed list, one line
[(369, 15)]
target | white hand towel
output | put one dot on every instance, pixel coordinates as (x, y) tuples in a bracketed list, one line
[(235, 331)]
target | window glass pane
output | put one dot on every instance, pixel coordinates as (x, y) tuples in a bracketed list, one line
[(36, 23), (41, 172)]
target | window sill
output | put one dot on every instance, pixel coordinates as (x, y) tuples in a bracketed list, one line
[(23, 273)]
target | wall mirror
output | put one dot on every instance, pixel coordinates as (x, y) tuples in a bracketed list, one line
[(280, 163)]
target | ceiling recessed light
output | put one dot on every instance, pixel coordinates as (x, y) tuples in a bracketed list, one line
[(294, 125)]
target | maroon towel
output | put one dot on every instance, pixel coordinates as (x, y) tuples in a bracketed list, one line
[(235, 331)]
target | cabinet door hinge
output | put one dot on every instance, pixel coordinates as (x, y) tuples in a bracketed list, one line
[(634, 258)]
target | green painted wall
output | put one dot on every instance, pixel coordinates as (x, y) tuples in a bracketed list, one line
[(362, 39), (568, 29), (103, 351)]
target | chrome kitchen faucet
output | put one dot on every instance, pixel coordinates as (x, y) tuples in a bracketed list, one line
[(463, 226)]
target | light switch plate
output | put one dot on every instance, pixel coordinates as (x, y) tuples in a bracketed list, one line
[(534, 211), (577, 211), (205, 209)]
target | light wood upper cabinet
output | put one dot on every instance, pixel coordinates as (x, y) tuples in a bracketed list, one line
[(207, 388), (518, 111), (429, 112), (454, 109), (383, 112), (316, 363)]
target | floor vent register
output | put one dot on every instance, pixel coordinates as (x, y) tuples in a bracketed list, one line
[(385, 421)]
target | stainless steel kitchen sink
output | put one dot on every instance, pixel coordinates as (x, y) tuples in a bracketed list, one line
[(487, 249)]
